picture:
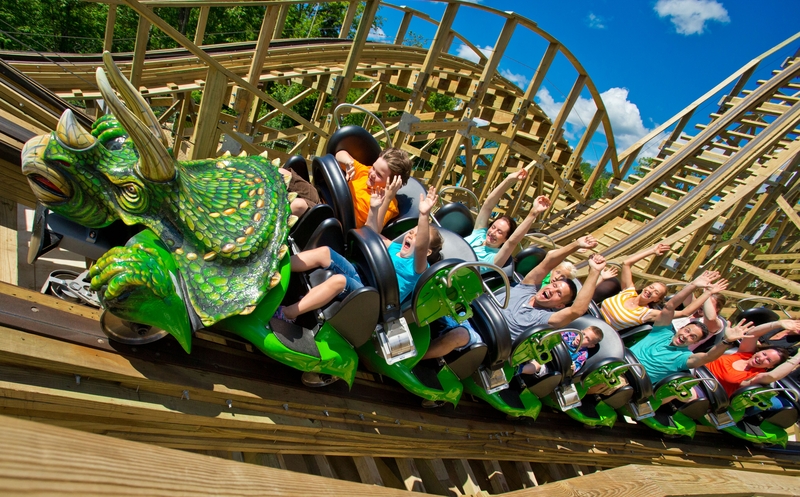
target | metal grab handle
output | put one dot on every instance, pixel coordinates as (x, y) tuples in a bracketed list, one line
[(362, 109), (793, 395), (482, 264), (634, 367), (694, 381), (548, 335), (460, 188), (764, 299), (541, 235)]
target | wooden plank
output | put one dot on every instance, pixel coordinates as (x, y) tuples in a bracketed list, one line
[(410, 474), (205, 129), (8, 242), (59, 461), (526, 474), (768, 276), (466, 477), (368, 471), (496, 478), (789, 211)]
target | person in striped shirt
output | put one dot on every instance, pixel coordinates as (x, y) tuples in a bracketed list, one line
[(631, 308)]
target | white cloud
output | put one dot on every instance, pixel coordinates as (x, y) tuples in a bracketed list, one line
[(376, 34), (690, 16), (466, 52), (596, 22), (518, 79), (626, 121)]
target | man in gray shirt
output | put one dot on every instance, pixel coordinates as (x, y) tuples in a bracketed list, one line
[(558, 303)]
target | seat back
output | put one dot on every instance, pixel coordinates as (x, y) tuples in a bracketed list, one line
[(605, 289), (527, 259), (489, 323), (455, 247), (456, 217), (365, 249), (756, 315), (408, 207), (717, 396), (317, 227), (298, 164), (432, 299), (356, 141), (333, 190)]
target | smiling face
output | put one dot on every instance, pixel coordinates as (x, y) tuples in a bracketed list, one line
[(654, 292), (764, 359), (556, 295), (497, 233), (379, 174), (590, 338), (688, 335)]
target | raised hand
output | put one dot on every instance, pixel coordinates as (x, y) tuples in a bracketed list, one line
[(609, 272), (350, 171), (719, 286), (376, 198), (426, 202), (735, 333), (597, 262), (540, 205), (705, 279), (518, 175), (587, 242), (661, 249), (393, 186)]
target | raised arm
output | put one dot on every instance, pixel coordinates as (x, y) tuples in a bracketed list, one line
[(626, 276), (555, 257), (579, 307), (346, 163), (482, 221), (539, 205), (750, 340), (778, 373), (667, 313), (422, 243), (732, 334)]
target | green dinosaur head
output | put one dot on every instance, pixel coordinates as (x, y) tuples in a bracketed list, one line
[(224, 220)]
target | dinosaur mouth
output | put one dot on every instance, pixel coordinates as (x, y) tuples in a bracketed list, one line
[(49, 189)]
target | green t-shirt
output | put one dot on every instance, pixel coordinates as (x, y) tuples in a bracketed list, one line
[(658, 356)]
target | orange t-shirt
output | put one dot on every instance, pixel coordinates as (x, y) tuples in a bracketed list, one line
[(731, 379), (360, 194)]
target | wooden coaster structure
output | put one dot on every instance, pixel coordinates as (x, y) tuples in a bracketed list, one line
[(697, 189)]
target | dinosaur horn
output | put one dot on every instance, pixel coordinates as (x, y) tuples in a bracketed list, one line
[(133, 99), (155, 163), (70, 133)]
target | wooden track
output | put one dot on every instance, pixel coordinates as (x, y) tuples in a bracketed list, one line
[(708, 193)]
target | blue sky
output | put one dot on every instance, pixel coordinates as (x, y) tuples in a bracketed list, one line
[(649, 58)]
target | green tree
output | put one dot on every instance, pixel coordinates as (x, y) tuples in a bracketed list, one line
[(601, 185)]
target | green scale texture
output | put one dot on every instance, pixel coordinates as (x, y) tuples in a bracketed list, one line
[(224, 220)]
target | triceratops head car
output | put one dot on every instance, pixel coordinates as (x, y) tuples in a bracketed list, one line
[(223, 221)]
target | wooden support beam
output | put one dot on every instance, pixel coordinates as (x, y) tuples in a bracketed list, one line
[(205, 129), (140, 48), (8, 242), (466, 477), (202, 21), (111, 19), (785, 283), (368, 471), (410, 474), (496, 478), (344, 31), (403, 28)]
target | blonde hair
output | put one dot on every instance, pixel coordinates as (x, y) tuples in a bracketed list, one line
[(568, 268)]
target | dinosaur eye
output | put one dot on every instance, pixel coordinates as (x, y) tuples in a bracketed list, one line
[(131, 198), (115, 144), (131, 190)]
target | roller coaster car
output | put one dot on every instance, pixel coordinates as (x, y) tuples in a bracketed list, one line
[(403, 333), (761, 315), (608, 362), (455, 217), (759, 414), (334, 190)]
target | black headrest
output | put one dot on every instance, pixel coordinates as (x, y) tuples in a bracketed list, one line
[(718, 398), (357, 141), (606, 289), (408, 208), (456, 217), (298, 164), (757, 315), (332, 187), (489, 323), (527, 259), (368, 253), (455, 247)]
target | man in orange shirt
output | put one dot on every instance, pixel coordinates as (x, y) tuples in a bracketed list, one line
[(392, 168)]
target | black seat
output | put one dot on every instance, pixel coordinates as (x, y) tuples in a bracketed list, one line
[(333, 190), (408, 208), (716, 396), (368, 254), (318, 227), (756, 315), (558, 372), (607, 288), (527, 259), (298, 164), (455, 247), (357, 141), (456, 217), (489, 323)]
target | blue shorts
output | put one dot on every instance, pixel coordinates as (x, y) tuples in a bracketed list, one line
[(442, 326), (340, 265)]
